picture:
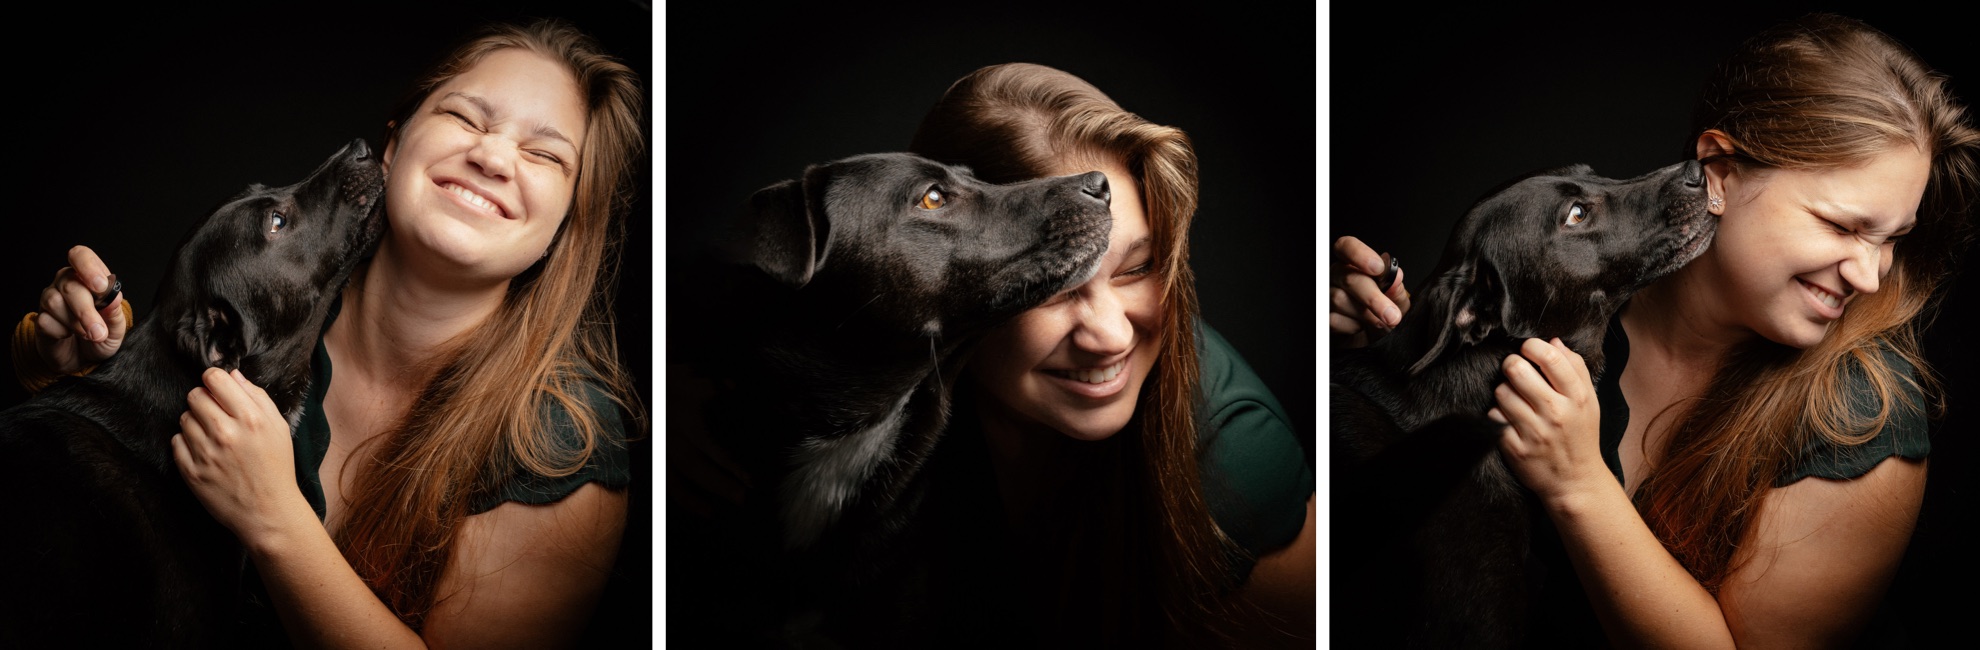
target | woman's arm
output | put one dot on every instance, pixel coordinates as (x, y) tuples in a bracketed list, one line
[(1282, 586), (529, 576), (521, 576), (1810, 572)]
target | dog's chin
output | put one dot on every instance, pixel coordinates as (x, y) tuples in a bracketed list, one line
[(1081, 276), (1033, 286), (1693, 238), (364, 236), (372, 228)]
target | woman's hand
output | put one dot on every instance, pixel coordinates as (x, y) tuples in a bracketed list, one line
[(1359, 309), (1554, 442), (235, 453), (71, 332)]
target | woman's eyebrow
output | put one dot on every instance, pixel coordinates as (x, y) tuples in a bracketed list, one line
[(488, 109)]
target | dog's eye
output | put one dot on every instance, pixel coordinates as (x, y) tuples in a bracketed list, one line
[(276, 221), (1576, 215), (933, 199)]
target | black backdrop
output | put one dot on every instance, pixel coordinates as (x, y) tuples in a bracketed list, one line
[(126, 126), (1428, 109)]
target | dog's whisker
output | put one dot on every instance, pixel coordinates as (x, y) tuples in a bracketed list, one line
[(935, 361), (855, 312)]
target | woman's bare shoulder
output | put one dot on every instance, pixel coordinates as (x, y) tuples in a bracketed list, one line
[(1821, 554), (530, 575)]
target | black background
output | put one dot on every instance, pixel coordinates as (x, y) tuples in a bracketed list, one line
[(1428, 109), (126, 126)]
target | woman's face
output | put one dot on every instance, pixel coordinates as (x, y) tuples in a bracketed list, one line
[(1077, 363), (1796, 247), (483, 172)]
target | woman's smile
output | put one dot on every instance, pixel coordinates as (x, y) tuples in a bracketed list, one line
[(1094, 381), (472, 197), (1828, 304)]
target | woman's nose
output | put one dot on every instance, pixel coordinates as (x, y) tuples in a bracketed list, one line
[(1864, 267), (1104, 329), (493, 155)]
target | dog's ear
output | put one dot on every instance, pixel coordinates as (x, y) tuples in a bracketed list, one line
[(1464, 306), (214, 335), (783, 230)]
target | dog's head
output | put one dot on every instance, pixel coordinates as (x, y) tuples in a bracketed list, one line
[(251, 284), (1557, 252), (915, 246)]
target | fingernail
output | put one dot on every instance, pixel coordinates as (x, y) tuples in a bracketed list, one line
[(99, 284), (1391, 316), (1496, 416), (97, 332)]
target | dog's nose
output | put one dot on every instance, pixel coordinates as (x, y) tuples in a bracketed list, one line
[(1095, 185), (358, 149), (1694, 174)]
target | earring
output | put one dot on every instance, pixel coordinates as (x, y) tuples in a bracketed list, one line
[(1716, 203)]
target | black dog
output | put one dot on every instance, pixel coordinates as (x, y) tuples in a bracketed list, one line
[(837, 326), (106, 545), (1436, 544)]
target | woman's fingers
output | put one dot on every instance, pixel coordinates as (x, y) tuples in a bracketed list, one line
[(89, 269), (1357, 294), (1527, 382), (229, 392), (1358, 255), (79, 283), (1341, 324), (1565, 372), (206, 413), (53, 323), (1513, 407)]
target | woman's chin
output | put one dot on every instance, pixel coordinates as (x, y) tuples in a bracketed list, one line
[(1097, 426)]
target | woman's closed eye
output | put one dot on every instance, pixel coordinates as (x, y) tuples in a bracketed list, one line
[(547, 157), (463, 119)]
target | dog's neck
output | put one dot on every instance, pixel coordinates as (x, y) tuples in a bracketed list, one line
[(143, 390), (1448, 385)]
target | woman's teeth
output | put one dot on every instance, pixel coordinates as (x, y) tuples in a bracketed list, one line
[(472, 198), (1832, 300), (1094, 375)]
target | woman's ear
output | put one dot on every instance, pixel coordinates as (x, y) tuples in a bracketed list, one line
[(1714, 142), (391, 145)]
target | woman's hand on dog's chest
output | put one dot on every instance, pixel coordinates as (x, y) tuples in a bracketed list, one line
[(1552, 441)]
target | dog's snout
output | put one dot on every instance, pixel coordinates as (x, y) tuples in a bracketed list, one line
[(1693, 174), (358, 149), (1094, 184)]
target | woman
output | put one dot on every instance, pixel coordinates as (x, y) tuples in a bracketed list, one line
[(462, 470), (1134, 470), (1752, 474)]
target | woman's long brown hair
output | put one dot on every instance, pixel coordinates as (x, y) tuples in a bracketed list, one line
[(480, 421), (1820, 92), (1020, 121)]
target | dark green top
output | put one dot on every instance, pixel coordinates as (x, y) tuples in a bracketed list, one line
[(609, 464), (1905, 434), (1255, 473), (1254, 469), (1060, 579)]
